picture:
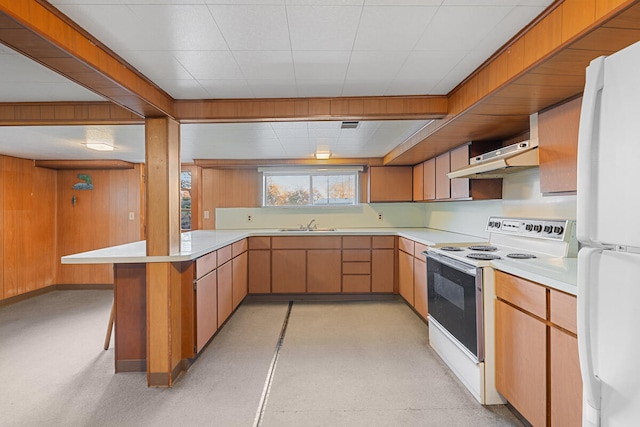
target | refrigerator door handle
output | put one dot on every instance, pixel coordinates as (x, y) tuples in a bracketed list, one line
[(591, 383), (587, 139)]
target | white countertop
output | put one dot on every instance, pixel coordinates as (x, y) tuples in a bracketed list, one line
[(558, 273), (194, 244)]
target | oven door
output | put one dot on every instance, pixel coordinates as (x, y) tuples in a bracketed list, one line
[(454, 294)]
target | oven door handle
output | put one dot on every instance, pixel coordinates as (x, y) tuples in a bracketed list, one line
[(456, 265)]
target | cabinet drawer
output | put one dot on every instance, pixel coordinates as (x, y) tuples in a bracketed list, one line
[(522, 293), (356, 242), (419, 248), (383, 242), (356, 267), (205, 264), (238, 247), (562, 310), (224, 255), (356, 255), (260, 242), (406, 245), (356, 283)]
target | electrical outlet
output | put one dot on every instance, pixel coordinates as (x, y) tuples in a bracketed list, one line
[(379, 217), (248, 218), (206, 214)]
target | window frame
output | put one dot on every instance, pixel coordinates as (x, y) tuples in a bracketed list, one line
[(312, 172)]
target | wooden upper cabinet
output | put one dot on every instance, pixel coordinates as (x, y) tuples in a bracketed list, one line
[(418, 182), (390, 184), (429, 179), (558, 147), (459, 159), (443, 167)]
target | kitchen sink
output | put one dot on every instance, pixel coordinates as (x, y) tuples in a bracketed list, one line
[(306, 230)]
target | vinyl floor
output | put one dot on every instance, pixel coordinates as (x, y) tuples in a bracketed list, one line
[(273, 364)]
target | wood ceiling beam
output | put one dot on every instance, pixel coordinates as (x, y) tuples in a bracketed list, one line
[(39, 31), (540, 67), (84, 164), (65, 113), (249, 163), (293, 109)]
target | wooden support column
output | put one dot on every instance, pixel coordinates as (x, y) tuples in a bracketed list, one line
[(162, 143)]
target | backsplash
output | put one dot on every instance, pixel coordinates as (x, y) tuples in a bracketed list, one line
[(521, 198), (360, 216)]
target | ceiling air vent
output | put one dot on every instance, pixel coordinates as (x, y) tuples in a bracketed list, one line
[(349, 125)]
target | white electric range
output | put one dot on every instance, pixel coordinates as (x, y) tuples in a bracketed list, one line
[(461, 293)]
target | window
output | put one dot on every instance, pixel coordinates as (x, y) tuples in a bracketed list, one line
[(310, 187), (185, 201)]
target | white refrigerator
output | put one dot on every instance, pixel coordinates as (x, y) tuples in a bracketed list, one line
[(608, 229)]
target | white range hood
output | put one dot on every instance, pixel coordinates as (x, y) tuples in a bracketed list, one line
[(505, 160)]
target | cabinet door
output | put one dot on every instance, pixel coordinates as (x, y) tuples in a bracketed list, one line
[(239, 264), (260, 272), (405, 276), (323, 270), (521, 362), (429, 183), (206, 309), (420, 286), (225, 292), (288, 271), (558, 147), (566, 380), (382, 270), (443, 167), (418, 182), (460, 159), (390, 184)]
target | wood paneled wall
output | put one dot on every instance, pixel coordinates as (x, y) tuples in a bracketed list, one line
[(228, 188), (28, 256), (100, 218)]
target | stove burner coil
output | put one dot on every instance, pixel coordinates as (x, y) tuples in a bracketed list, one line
[(452, 248), (484, 248), (521, 256), (483, 256)]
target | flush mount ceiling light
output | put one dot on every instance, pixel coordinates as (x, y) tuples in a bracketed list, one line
[(322, 152), (99, 139), (99, 146)]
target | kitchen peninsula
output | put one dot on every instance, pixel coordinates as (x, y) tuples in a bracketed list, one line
[(217, 270)]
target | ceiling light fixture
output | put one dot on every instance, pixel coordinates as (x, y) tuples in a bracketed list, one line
[(322, 152), (99, 146)]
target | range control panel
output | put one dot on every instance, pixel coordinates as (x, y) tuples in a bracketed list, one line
[(536, 228)]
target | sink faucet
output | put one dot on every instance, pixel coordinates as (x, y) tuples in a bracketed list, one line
[(311, 223)]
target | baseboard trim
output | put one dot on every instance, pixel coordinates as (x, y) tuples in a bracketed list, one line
[(320, 297), (60, 287), (131, 365)]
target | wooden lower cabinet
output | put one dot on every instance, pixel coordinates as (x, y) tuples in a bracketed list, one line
[(537, 364), (259, 271), (405, 276), (206, 309), (225, 292), (382, 270), (521, 362), (323, 270), (566, 380), (239, 279), (289, 271), (420, 287)]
